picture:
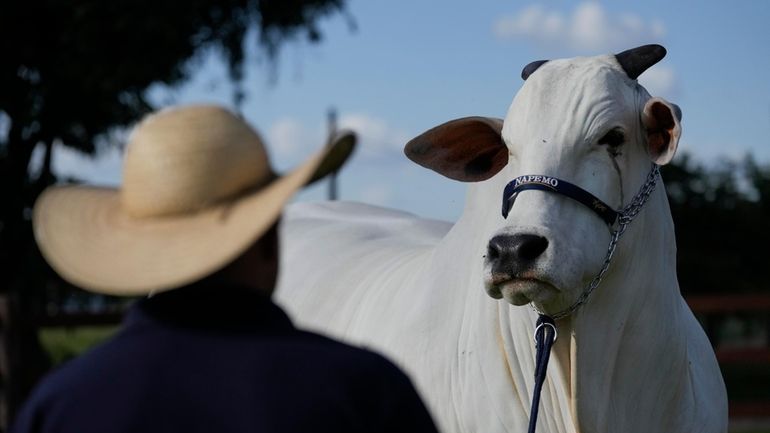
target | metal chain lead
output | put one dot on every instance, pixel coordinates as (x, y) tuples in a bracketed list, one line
[(624, 219)]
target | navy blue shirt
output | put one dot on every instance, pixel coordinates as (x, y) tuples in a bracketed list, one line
[(195, 360)]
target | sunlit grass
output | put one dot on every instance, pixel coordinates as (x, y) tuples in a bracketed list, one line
[(63, 344)]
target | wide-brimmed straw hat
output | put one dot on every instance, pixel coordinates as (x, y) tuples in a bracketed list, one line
[(198, 190)]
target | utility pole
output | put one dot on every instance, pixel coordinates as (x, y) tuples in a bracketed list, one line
[(332, 119)]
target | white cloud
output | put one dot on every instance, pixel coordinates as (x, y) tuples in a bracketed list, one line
[(290, 141), (376, 137), (660, 81), (708, 151), (287, 137), (5, 126), (104, 169), (588, 29), (379, 194)]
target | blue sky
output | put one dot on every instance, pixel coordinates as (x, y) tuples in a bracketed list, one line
[(412, 65)]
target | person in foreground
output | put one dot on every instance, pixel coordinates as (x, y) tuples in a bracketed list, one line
[(198, 213)]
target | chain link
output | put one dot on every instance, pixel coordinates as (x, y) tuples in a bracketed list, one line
[(624, 219)]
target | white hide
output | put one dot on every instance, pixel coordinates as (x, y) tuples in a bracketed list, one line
[(633, 359)]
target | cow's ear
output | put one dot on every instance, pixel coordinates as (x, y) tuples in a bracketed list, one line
[(661, 121), (470, 149)]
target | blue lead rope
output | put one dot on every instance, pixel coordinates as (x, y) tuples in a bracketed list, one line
[(545, 335)]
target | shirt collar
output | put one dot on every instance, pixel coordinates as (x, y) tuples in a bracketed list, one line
[(215, 308)]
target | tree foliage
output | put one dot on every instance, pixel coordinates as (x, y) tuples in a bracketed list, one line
[(72, 71), (721, 216)]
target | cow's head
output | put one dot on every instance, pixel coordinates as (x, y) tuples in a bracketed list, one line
[(583, 120)]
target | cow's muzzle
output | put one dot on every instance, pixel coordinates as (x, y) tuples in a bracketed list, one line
[(514, 254), (513, 271)]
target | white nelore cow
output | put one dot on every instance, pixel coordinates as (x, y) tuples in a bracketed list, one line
[(631, 359)]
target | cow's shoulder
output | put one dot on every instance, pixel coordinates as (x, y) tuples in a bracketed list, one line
[(352, 221)]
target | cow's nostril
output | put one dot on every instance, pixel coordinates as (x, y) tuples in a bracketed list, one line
[(526, 247), (494, 248), (512, 251)]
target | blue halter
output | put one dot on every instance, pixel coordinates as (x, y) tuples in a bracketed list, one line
[(552, 184)]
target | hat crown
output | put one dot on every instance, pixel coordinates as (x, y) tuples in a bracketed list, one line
[(184, 159)]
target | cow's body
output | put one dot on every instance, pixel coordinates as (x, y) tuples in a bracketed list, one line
[(632, 359)]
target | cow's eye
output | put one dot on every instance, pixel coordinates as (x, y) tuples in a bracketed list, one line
[(613, 138)]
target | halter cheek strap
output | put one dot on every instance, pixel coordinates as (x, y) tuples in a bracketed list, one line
[(552, 184)]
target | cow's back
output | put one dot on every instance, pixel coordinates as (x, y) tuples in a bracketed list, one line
[(354, 266)]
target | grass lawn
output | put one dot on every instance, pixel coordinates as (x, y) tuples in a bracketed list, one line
[(744, 382), (63, 344), (747, 382)]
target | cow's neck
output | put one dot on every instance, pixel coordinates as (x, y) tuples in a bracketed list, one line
[(496, 334), (630, 336), (612, 353)]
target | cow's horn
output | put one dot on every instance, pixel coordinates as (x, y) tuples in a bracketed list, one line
[(530, 68), (639, 59)]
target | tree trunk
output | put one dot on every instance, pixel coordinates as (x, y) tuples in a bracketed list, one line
[(20, 279), (4, 360)]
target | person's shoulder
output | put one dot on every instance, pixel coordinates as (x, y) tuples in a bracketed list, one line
[(383, 391), (359, 359), (52, 390), (67, 375), (86, 369)]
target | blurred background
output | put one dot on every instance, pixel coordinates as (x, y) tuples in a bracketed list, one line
[(75, 75)]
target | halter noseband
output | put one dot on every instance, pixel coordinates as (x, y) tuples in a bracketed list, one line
[(552, 184)]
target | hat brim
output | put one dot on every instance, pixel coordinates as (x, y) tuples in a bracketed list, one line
[(86, 237)]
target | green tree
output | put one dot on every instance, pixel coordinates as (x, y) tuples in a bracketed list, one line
[(72, 72), (721, 216)]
